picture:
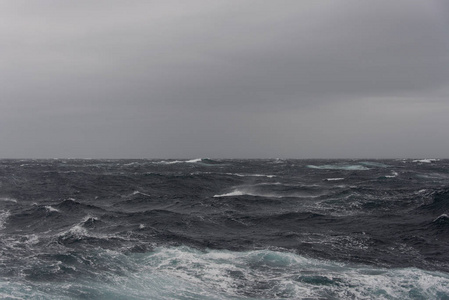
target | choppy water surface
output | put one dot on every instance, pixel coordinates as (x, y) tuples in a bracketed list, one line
[(224, 229)]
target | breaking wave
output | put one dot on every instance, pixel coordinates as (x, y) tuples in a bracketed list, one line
[(187, 273)]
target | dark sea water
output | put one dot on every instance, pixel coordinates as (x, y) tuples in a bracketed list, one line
[(224, 229)]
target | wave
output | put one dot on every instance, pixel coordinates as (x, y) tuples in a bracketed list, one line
[(196, 160), (333, 179), (339, 167), (275, 190), (140, 193), (251, 175), (203, 161), (85, 232), (374, 164), (439, 204), (243, 192), (72, 205), (232, 194), (187, 273), (169, 162), (393, 175), (442, 219), (426, 160)]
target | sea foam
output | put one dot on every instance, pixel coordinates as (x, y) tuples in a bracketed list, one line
[(187, 273)]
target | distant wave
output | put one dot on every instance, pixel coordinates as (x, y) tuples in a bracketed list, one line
[(169, 162), (140, 193), (374, 164), (206, 161), (196, 160), (339, 167), (251, 175), (425, 160), (285, 191)]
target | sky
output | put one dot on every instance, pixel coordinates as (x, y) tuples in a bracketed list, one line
[(224, 79)]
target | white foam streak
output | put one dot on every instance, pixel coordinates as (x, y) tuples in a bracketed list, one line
[(7, 199), (231, 194)]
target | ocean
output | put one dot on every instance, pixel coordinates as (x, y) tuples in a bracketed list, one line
[(224, 229)]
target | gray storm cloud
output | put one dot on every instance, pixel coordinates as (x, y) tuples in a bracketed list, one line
[(224, 78)]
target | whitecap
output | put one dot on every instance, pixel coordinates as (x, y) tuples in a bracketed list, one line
[(334, 179), (248, 192), (51, 209), (426, 160), (393, 174), (251, 175), (441, 217), (196, 160), (77, 230), (169, 162), (253, 191), (89, 217), (339, 167), (140, 193)]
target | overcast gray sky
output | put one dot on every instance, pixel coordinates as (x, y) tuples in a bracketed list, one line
[(224, 78)]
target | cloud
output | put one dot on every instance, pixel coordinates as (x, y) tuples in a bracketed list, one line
[(199, 70)]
